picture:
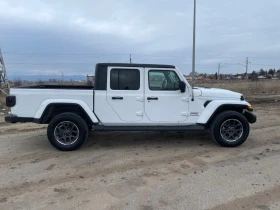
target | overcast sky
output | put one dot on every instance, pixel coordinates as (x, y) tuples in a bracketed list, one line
[(70, 36)]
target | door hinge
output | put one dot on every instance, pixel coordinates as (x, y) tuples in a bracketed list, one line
[(140, 114), (140, 99), (184, 114), (185, 99)]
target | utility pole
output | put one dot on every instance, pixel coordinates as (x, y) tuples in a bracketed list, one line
[(130, 58), (193, 55), (4, 85), (247, 63), (246, 66), (219, 67)]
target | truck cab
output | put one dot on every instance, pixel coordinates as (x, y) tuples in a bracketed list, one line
[(132, 97), (141, 95)]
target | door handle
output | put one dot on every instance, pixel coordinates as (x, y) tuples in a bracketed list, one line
[(152, 98), (117, 98)]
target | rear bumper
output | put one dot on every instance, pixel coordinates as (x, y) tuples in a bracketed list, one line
[(14, 119), (252, 118)]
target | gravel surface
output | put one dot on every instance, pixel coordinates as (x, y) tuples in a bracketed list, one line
[(142, 170)]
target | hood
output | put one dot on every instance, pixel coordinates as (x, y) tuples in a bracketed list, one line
[(218, 93)]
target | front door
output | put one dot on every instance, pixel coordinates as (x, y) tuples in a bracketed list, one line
[(164, 102), (125, 92)]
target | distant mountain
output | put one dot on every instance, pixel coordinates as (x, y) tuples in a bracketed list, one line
[(47, 77)]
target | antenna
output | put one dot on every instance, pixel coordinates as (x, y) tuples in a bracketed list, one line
[(4, 85), (130, 58)]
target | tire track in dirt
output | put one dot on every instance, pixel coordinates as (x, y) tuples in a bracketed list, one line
[(257, 201), (130, 155), (192, 162), (10, 131)]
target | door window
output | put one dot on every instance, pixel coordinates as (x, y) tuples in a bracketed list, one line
[(125, 79), (163, 80)]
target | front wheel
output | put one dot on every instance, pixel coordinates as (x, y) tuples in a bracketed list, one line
[(230, 129), (67, 131)]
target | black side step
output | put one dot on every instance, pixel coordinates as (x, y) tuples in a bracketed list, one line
[(148, 128)]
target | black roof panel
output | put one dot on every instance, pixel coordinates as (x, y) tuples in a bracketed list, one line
[(136, 65)]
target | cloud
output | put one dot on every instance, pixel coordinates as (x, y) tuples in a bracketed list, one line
[(16, 11), (180, 14), (123, 30), (152, 31)]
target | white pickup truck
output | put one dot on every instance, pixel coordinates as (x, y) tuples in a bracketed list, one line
[(132, 97)]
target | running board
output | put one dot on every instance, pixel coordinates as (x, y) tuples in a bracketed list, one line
[(148, 128)]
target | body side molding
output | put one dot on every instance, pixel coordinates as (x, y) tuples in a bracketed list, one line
[(196, 127)]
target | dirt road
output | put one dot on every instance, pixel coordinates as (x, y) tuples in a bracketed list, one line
[(142, 170)]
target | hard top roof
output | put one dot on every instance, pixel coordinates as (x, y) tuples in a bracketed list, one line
[(136, 65)]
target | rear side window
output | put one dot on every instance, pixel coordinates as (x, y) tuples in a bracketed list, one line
[(125, 79)]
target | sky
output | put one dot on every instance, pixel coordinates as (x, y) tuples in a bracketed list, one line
[(54, 37)]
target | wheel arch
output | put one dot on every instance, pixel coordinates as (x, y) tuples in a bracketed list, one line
[(226, 107), (53, 109), (215, 107)]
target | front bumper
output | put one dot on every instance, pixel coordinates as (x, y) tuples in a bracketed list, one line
[(252, 118), (14, 119)]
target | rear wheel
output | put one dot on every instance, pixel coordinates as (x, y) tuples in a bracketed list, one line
[(230, 129), (67, 131)]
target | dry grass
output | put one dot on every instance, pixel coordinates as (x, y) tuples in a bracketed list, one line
[(269, 87), (3, 108), (2, 99), (248, 88)]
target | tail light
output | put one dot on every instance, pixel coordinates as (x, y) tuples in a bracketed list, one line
[(10, 101)]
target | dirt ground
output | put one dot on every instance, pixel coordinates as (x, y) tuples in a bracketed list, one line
[(142, 170)]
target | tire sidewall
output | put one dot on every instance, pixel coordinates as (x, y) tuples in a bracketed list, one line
[(78, 121), (220, 119)]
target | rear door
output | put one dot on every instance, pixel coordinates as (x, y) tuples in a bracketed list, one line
[(164, 102), (125, 92)]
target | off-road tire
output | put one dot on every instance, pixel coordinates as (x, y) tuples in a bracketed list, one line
[(76, 121), (223, 117)]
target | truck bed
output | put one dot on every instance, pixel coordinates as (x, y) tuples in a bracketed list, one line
[(30, 99), (80, 87)]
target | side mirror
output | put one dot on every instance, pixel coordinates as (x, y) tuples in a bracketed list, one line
[(182, 86)]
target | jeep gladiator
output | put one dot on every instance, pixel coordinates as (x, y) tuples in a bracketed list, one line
[(132, 97)]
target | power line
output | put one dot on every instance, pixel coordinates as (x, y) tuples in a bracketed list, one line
[(90, 54), (201, 65), (265, 64), (120, 54), (185, 65)]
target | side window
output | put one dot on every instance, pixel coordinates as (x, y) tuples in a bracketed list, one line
[(125, 79), (163, 80)]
